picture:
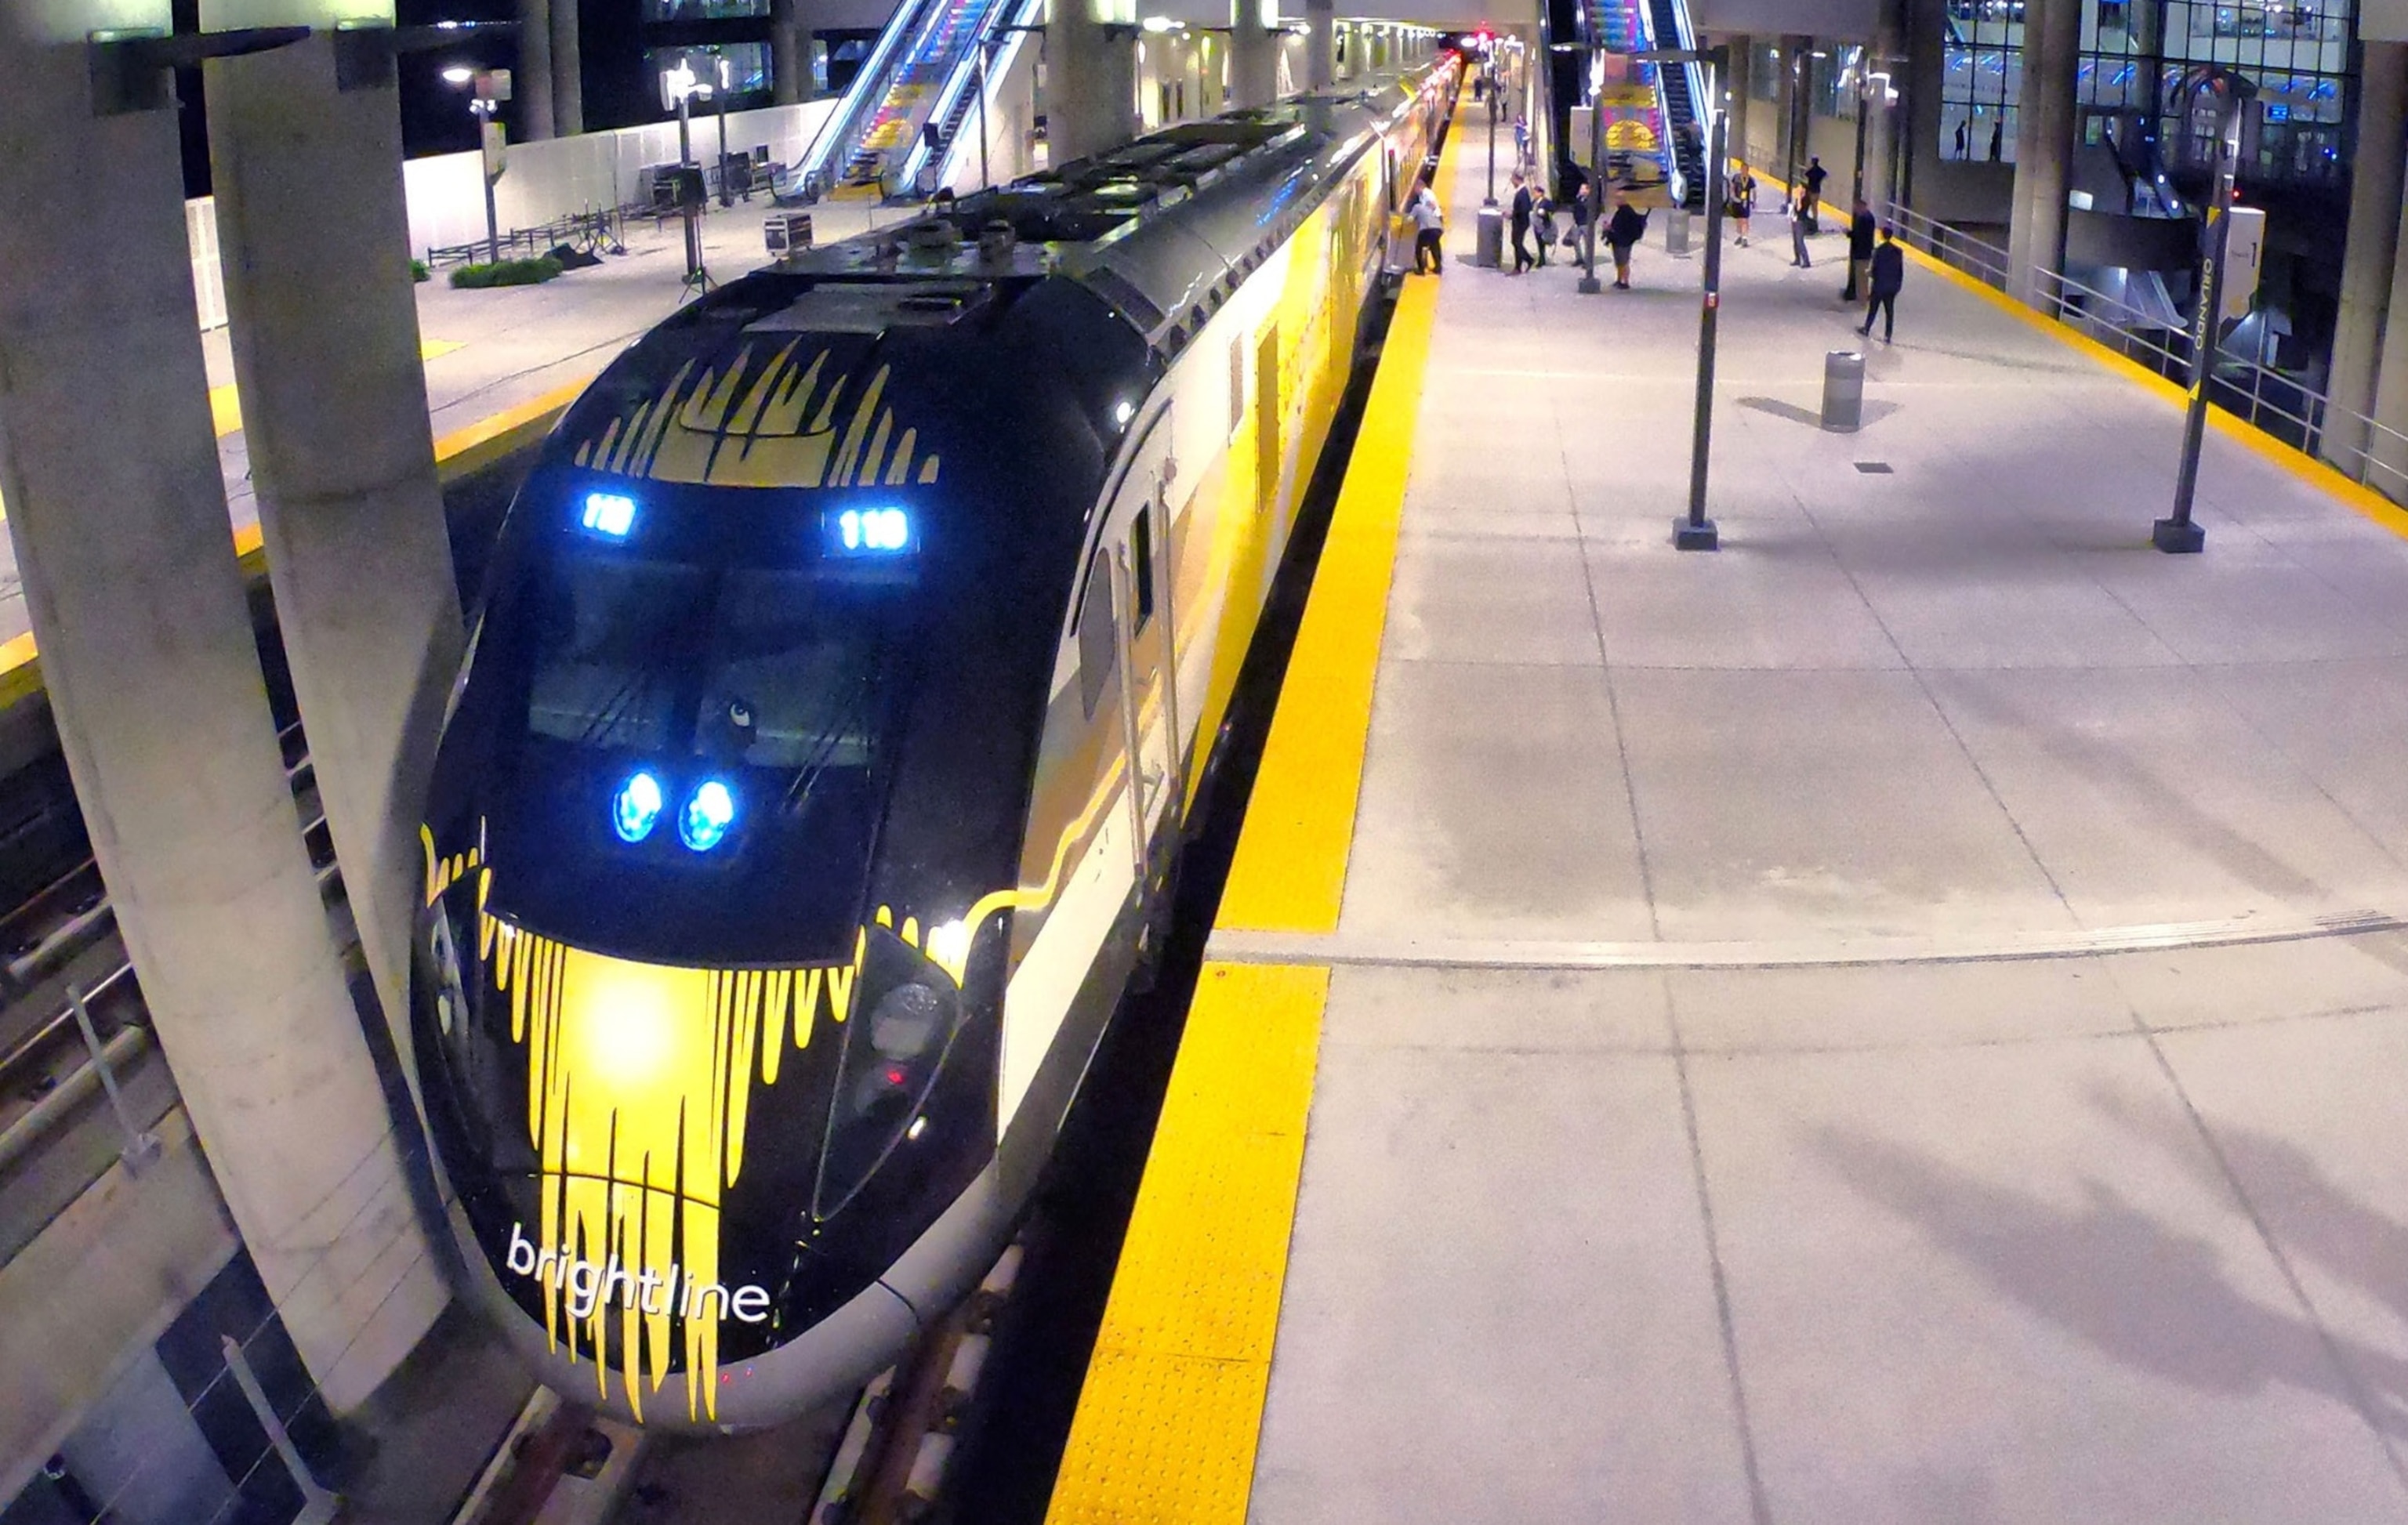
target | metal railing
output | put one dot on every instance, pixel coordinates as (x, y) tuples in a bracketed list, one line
[(2283, 407)]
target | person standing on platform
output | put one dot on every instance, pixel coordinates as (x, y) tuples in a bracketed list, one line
[(1889, 277), (1743, 202), (1960, 140), (1429, 230), (1795, 207), (1998, 136), (1520, 214), (1861, 229), (1628, 226), (1814, 176)]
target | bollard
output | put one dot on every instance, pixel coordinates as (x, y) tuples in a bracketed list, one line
[(1676, 232), (1489, 252), (1844, 391)]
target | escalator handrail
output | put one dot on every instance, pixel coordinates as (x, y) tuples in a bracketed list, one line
[(961, 81), (845, 124)]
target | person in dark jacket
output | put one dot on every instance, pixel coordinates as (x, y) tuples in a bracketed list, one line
[(1861, 229), (1523, 203), (1628, 226), (1889, 276), (1814, 176)]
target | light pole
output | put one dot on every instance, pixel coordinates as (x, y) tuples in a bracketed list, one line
[(1589, 284), (2233, 93), (1695, 531), (678, 87), (489, 89), (726, 191)]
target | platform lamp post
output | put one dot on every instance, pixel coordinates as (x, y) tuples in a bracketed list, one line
[(2229, 95), (724, 73), (1695, 531), (488, 89), (679, 88)]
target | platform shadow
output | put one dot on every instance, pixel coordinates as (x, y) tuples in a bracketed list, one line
[(2311, 1216), (2144, 1294), (1875, 411)]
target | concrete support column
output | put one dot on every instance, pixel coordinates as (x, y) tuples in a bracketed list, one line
[(2044, 147), (1320, 44), (531, 89), (1090, 78), (323, 322), (1253, 52), (1926, 33), (568, 70), (1794, 62), (790, 54), (116, 507), (1881, 117), (2371, 252)]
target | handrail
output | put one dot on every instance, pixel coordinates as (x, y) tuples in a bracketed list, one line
[(869, 87), (960, 79), (2369, 453)]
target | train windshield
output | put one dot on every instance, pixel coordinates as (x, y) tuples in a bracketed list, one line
[(781, 669)]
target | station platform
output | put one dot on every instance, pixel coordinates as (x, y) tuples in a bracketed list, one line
[(501, 364), (1899, 1019)]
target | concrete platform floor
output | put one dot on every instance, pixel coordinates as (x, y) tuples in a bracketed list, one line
[(1800, 1202)]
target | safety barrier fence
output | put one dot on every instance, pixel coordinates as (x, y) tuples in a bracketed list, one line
[(2283, 406), (105, 1014), (254, 1443)]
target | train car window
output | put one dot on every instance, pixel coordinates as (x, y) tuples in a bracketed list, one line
[(1099, 644), (1142, 561), (1237, 383)]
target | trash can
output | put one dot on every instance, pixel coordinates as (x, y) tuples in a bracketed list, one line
[(1490, 251), (1844, 391), (1676, 232)]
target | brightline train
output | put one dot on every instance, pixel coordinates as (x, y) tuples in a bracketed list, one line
[(830, 719)]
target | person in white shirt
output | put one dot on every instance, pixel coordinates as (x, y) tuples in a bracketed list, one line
[(1429, 224)]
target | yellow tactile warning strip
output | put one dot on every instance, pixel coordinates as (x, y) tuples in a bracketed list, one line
[(1172, 1412), (1290, 870), (1168, 1419)]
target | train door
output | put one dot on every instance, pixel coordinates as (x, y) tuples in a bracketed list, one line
[(1135, 553)]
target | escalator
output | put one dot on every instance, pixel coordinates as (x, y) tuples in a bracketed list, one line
[(958, 98), (1679, 89), (919, 61)]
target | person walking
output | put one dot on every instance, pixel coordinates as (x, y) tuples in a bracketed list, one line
[(1518, 215), (1888, 275), (1543, 225), (1998, 136), (1814, 176), (1861, 228), (1795, 209), (1429, 229), (1628, 226), (1743, 202)]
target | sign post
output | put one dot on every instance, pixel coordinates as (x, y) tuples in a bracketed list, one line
[(2227, 94)]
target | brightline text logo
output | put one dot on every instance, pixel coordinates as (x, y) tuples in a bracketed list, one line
[(591, 1285)]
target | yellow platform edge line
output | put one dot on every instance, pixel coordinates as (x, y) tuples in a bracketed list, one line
[(1289, 873), (1171, 1414), (1170, 1417), (2315, 471), (460, 453)]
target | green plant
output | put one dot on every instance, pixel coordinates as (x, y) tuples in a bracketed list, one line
[(418, 270), (533, 271)]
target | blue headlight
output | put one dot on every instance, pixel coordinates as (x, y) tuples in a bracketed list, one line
[(635, 807), (707, 816), (610, 514)]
